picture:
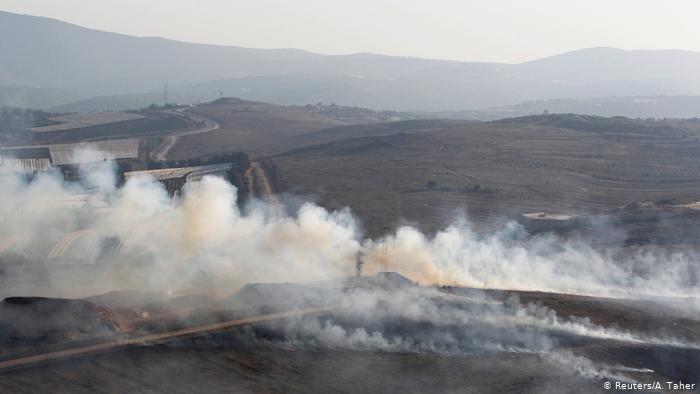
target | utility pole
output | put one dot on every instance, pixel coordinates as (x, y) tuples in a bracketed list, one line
[(360, 261), (165, 95), (384, 252)]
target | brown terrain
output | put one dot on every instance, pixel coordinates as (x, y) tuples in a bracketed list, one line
[(241, 368), (254, 128), (561, 164), (240, 342), (424, 172), (428, 171)]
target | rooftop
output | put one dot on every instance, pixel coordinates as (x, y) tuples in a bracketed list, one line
[(179, 172)]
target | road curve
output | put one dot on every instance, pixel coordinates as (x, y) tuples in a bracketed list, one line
[(161, 152)]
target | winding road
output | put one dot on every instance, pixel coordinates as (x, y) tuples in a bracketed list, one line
[(160, 153), (256, 179)]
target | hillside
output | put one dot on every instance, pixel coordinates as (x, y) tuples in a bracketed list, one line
[(680, 107), (264, 129), (71, 64), (254, 127), (559, 163)]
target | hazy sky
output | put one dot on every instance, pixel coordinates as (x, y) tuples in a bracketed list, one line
[(487, 30)]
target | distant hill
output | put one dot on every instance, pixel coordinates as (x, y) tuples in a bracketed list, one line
[(49, 63), (680, 107), (34, 96)]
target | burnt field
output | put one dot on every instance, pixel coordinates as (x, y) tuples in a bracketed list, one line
[(360, 257), (449, 340), (192, 368), (305, 197)]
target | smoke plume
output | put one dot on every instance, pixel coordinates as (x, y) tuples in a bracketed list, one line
[(202, 240), (53, 238)]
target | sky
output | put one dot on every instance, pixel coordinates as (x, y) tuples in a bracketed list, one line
[(472, 30)]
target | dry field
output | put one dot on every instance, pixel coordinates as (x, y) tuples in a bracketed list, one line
[(238, 368), (104, 126), (562, 163), (254, 128), (428, 172), (77, 121)]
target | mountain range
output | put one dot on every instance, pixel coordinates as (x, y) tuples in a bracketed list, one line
[(51, 64)]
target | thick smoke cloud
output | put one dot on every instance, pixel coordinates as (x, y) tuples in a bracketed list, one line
[(509, 259), (203, 241), (204, 236), (199, 242), (427, 320)]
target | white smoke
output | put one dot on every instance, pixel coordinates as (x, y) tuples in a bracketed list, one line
[(508, 259), (97, 168), (199, 242), (203, 241), (456, 324)]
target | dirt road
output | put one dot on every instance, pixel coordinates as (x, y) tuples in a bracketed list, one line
[(157, 338), (160, 153), (259, 186)]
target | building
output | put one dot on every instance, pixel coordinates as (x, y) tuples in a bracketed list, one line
[(26, 161), (175, 179), (67, 158)]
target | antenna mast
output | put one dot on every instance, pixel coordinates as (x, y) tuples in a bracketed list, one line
[(384, 252), (360, 261)]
